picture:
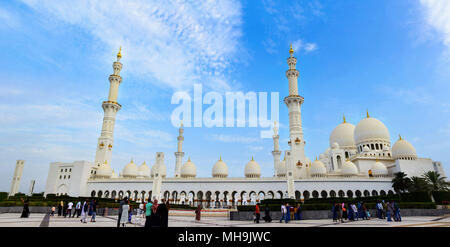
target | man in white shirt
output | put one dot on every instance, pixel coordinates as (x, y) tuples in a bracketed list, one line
[(69, 208), (283, 213), (77, 210)]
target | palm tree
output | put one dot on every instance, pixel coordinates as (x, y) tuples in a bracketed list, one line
[(400, 182), (435, 181), (418, 184)]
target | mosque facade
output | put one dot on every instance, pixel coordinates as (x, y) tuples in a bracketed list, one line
[(359, 161)]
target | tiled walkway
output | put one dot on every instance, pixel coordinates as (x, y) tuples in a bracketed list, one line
[(36, 220)]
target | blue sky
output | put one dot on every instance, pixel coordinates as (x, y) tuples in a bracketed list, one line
[(391, 57)]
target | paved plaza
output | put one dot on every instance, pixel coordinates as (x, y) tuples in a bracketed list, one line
[(42, 220)]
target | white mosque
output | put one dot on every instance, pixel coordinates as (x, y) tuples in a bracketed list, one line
[(359, 162)]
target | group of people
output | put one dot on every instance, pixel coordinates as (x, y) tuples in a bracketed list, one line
[(355, 211), (351, 212), (156, 215), (82, 208), (289, 213), (388, 210)]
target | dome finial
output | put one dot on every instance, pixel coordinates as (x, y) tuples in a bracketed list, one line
[(220, 157), (367, 111), (291, 51), (400, 137), (131, 160), (316, 157), (252, 157), (344, 118), (119, 55), (181, 124), (189, 159), (106, 162)]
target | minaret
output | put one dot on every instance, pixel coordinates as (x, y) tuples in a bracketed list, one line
[(276, 149), (179, 154), (294, 102), (110, 107), (15, 184)]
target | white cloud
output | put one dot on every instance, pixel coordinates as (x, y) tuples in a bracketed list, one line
[(174, 43), (300, 45), (437, 15)]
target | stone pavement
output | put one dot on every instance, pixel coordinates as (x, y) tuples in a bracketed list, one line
[(36, 220)]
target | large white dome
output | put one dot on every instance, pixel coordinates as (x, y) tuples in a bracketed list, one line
[(349, 169), (403, 150), (371, 129), (379, 169), (343, 134), (104, 171), (220, 169), (144, 170), (130, 170), (252, 169), (188, 170), (317, 168)]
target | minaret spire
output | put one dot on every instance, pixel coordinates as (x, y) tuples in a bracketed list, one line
[(179, 154), (276, 149), (110, 108)]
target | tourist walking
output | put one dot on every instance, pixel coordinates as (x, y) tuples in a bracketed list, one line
[(69, 208), (344, 212), (257, 214), (60, 208), (141, 211), (64, 212), (288, 213), (389, 211), (122, 202), (84, 211), (94, 210), (77, 210), (124, 214), (298, 213), (350, 213), (365, 212), (333, 211), (355, 212), (148, 213), (26, 209), (163, 213), (155, 219), (267, 217), (198, 212), (338, 209), (53, 211), (397, 215), (283, 213)]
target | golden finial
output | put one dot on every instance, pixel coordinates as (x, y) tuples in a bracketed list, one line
[(291, 50), (367, 111), (400, 137), (344, 117), (316, 157), (119, 55), (252, 157), (220, 157), (106, 162), (275, 123), (181, 124), (189, 159), (131, 160)]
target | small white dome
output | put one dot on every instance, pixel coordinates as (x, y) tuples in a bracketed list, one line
[(281, 169), (317, 168), (144, 170), (188, 170), (130, 170), (220, 169), (403, 150), (104, 171), (366, 149), (379, 169), (252, 169), (334, 145), (343, 134), (349, 169), (371, 129)]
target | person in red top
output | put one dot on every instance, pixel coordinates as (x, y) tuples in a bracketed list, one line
[(257, 213)]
